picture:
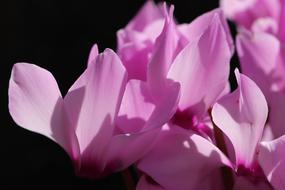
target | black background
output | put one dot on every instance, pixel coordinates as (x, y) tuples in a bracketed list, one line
[(57, 35)]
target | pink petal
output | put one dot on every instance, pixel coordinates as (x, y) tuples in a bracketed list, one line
[(96, 104), (272, 160), (202, 69), (145, 183), (93, 54), (35, 103), (241, 115), (134, 49), (200, 24), (136, 40), (162, 57), (126, 148), (166, 106), (181, 159), (146, 15), (226, 90), (137, 106), (154, 29)]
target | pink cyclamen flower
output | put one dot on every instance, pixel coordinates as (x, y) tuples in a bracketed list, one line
[(260, 47), (182, 159), (84, 121)]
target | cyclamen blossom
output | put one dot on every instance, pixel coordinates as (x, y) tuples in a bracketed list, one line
[(83, 122), (260, 46)]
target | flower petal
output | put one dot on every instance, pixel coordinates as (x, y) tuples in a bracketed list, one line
[(272, 160), (136, 40), (202, 69), (241, 115), (162, 57), (146, 15), (136, 107), (93, 54), (126, 148), (134, 49), (96, 104), (181, 160), (166, 106), (35, 103), (200, 24)]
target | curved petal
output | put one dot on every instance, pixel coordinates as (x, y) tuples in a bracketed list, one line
[(181, 160), (97, 104), (241, 115), (202, 69), (35, 103), (200, 24), (162, 57), (146, 183), (146, 15), (134, 49), (136, 107), (136, 40), (126, 148), (166, 107), (272, 160), (93, 54)]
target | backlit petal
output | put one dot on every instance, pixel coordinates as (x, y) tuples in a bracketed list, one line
[(241, 115)]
